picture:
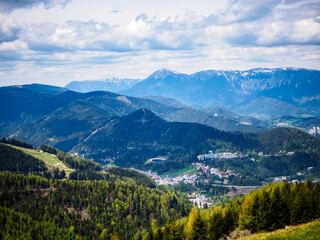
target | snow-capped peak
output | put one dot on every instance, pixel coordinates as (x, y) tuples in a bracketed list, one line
[(163, 73)]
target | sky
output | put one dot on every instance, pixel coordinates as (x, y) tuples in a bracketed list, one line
[(58, 41)]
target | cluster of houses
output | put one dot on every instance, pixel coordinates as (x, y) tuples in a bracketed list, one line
[(211, 155), (285, 178), (214, 171), (187, 179), (201, 200)]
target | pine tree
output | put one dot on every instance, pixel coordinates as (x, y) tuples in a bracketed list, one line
[(248, 218), (217, 226)]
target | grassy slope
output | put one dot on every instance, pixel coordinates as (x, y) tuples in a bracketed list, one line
[(50, 160), (307, 231)]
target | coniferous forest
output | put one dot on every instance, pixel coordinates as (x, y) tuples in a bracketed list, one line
[(33, 207)]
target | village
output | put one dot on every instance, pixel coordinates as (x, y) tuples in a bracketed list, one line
[(211, 176)]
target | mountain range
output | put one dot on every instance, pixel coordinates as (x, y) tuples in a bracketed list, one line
[(262, 93), (62, 114), (107, 126)]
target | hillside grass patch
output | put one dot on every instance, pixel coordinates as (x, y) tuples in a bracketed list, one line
[(49, 159), (307, 231)]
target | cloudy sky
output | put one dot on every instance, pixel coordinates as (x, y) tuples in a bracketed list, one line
[(58, 41)]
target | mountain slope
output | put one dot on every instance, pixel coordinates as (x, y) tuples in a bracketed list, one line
[(227, 114), (134, 138)]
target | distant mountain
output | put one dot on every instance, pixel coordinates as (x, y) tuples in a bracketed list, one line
[(109, 84), (168, 101), (43, 89), (67, 115), (25, 104), (267, 108), (292, 90)]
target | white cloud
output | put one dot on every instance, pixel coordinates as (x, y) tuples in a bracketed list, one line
[(16, 50), (245, 34), (267, 23)]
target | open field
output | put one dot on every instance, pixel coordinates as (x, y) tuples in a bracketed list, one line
[(50, 160), (187, 170), (307, 231)]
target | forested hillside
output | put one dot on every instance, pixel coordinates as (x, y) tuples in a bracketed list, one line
[(114, 203)]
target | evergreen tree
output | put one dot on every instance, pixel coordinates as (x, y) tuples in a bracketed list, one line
[(217, 226), (264, 217), (278, 209)]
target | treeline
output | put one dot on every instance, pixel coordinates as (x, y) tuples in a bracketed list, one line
[(16, 142), (86, 209), (113, 174), (269, 208), (70, 161), (14, 160)]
